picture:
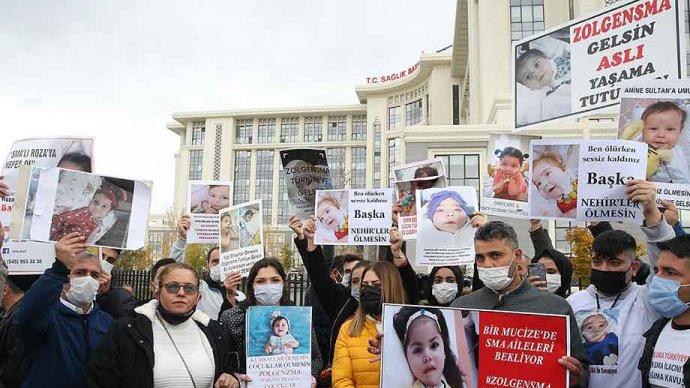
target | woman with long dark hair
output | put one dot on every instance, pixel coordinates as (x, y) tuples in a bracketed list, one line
[(266, 286)]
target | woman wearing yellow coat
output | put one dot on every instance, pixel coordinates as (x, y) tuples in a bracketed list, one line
[(351, 366)]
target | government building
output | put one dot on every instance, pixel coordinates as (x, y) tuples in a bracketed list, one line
[(443, 106)]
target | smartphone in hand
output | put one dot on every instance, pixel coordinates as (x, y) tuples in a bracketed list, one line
[(537, 269)]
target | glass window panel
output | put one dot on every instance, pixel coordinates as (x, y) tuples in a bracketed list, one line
[(526, 13), (515, 14), (472, 166), (538, 13)]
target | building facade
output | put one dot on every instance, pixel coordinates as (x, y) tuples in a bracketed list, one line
[(445, 106)]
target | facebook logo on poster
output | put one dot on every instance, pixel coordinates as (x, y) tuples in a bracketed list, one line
[(5, 251)]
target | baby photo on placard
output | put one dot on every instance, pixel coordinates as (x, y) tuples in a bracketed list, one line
[(205, 200), (241, 237), (332, 220), (655, 112), (505, 185), (445, 235), (553, 183)]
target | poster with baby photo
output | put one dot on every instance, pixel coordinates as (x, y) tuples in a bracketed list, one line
[(107, 211), (505, 185), (425, 347), (241, 237), (655, 112), (357, 216), (304, 172), (21, 255), (205, 199), (598, 329), (577, 68), (408, 179), (585, 180), (446, 225), (278, 346)]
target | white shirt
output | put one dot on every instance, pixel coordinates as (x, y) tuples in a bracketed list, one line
[(169, 370), (622, 348), (671, 352)]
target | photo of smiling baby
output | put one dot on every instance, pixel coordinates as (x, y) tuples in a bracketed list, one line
[(332, 223), (553, 183), (446, 221)]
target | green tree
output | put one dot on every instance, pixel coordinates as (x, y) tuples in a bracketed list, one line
[(285, 256), (195, 255), (139, 259), (581, 250)]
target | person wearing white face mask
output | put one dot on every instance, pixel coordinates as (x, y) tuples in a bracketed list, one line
[(665, 360), (559, 270), (59, 324), (447, 282), (266, 286), (219, 294), (114, 300), (497, 257)]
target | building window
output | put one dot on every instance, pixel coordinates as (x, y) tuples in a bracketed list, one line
[(562, 244), (195, 162), (198, 131), (377, 154), (358, 175), (264, 182), (359, 128), (526, 18), (267, 129), (336, 164), (393, 158), (240, 192), (156, 244), (243, 131), (312, 129), (283, 204), (394, 119), (413, 113), (462, 169), (288, 130), (456, 104), (337, 128)]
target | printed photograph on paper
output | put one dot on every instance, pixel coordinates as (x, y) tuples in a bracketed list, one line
[(426, 169), (332, 219), (305, 171), (241, 237), (553, 185), (205, 200)]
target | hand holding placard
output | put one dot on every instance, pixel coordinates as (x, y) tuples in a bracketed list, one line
[(644, 192), (68, 247)]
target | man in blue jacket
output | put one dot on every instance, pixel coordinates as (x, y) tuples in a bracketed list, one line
[(58, 323)]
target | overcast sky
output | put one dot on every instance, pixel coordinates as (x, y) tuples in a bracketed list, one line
[(117, 70)]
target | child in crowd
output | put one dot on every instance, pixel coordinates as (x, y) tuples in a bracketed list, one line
[(508, 181), (218, 197), (556, 185), (663, 124), (332, 219), (281, 341), (423, 333), (91, 221)]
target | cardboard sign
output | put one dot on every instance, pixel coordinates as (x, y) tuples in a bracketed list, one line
[(305, 171), (241, 237), (577, 68), (206, 199)]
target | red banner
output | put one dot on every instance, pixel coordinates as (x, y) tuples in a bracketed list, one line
[(520, 350)]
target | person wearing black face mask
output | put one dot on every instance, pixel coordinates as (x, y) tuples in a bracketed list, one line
[(166, 343), (613, 311)]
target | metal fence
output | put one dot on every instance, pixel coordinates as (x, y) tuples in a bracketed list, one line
[(139, 280)]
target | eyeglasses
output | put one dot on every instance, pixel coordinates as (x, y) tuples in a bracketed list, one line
[(174, 288)]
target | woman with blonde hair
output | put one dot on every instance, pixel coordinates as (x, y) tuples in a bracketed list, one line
[(381, 283)]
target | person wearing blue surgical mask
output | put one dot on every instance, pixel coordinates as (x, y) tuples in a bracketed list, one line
[(266, 286), (666, 357)]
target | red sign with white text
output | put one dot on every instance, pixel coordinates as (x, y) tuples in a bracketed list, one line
[(522, 350)]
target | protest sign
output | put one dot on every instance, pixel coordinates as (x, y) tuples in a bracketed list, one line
[(358, 216), (522, 350), (505, 185), (576, 68), (29, 257), (585, 180), (445, 235), (241, 237), (655, 112), (109, 212), (408, 179), (305, 171), (278, 346), (205, 199), (435, 333)]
